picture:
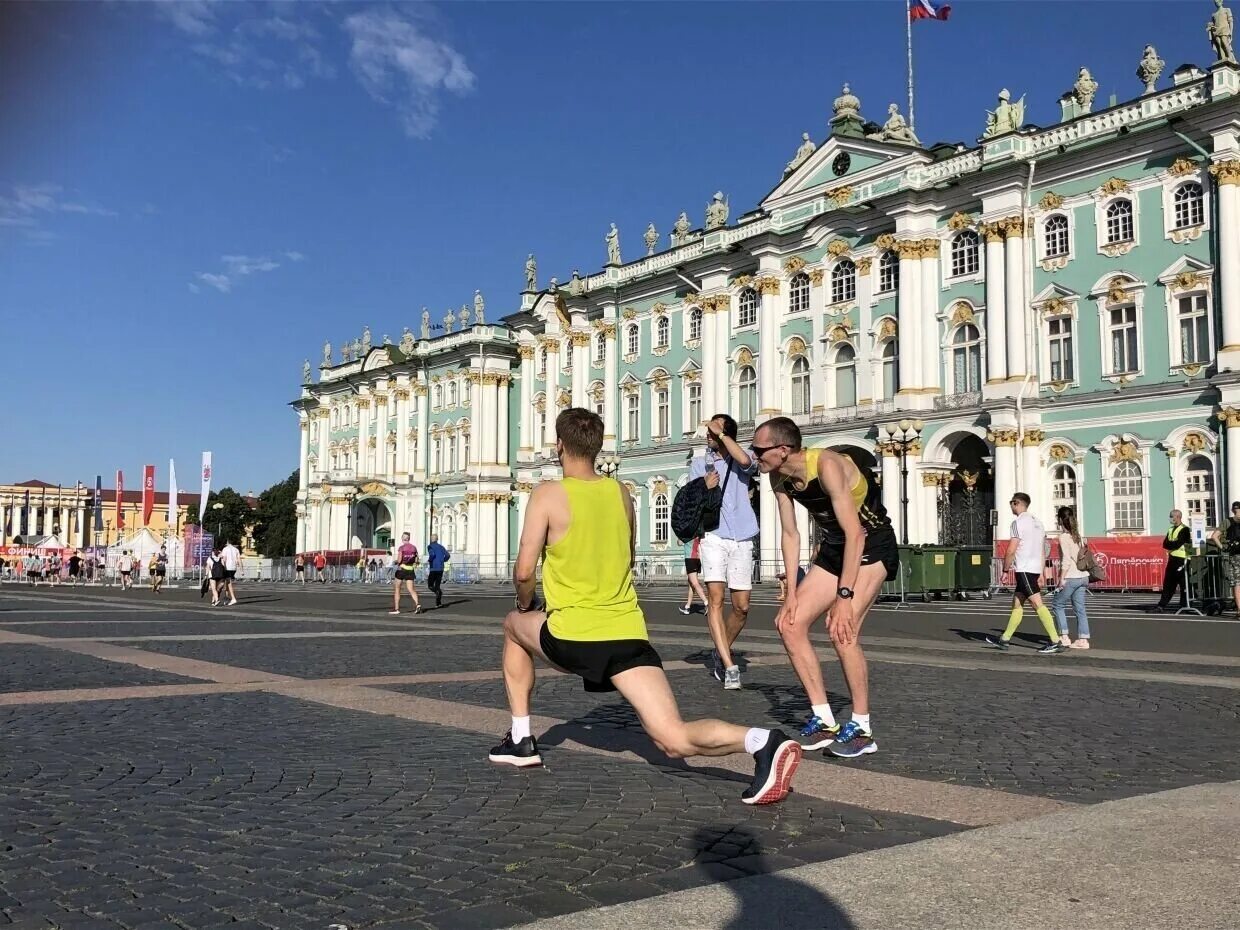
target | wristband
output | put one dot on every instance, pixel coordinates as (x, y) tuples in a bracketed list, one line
[(525, 610)]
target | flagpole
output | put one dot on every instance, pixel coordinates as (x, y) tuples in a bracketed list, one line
[(908, 33)]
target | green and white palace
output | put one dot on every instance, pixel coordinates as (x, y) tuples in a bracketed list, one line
[(1054, 310)]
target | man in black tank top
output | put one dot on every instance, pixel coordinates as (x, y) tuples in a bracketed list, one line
[(858, 553)]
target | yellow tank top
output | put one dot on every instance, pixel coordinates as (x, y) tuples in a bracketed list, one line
[(587, 575)]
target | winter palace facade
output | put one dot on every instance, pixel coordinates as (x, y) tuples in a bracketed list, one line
[(1053, 309)]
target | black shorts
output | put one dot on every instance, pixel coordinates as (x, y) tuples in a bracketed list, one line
[(405, 574), (693, 566), (229, 575), (125, 573), (595, 662), (880, 546), (1028, 583), (300, 569), (161, 571)]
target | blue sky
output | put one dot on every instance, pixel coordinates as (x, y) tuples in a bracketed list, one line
[(194, 196)]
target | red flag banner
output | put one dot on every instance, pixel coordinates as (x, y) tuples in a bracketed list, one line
[(120, 492), (148, 493)]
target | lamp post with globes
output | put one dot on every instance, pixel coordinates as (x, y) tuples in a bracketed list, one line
[(430, 484), (903, 436), (609, 464), (219, 521)]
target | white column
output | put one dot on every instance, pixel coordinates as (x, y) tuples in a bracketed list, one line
[(503, 516), (768, 532), (423, 416), (502, 387), (528, 442), (553, 389), (908, 302), (324, 418), (1228, 192), (303, 464), (1014, 255), (388, 468), (770, 401), (524, 489), (818, 351), (996, 315), (710, 362), (581, 367), (1004, 440), (402, 430), (363, 436), (917, 532), (611, 389), (1233, 456), (1029, 478), (931, 359), (723, 329), (866, 390), (487, 543), (890, 464)]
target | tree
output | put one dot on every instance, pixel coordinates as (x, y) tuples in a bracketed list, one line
[(275, 533), (230, 521)]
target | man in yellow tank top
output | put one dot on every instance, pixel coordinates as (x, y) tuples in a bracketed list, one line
[(582, 527)]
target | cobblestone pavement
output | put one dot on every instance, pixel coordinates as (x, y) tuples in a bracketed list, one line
[(138, 808)]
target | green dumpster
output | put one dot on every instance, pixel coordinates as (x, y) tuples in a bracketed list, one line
[(973, 571), (938, 570), (912, 568)]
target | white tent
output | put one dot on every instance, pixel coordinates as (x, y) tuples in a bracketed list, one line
[(47, 542), (143, 544)]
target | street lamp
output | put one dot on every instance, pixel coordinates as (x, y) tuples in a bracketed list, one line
[(219, 520), (430, 484), (904, 437), (609, 464)]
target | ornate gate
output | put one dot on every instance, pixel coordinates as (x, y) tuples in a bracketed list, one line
[(965, 501)]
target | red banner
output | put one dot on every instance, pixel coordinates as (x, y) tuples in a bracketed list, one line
[(120, 492), (1131, 562), (148, 493)]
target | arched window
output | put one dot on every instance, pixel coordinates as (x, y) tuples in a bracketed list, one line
[(695, 323), (542, 361), (1119, 221), (888, 272), (631, 343), (1199, 489), (451, 393), (966, 253), (451, 463), (967, 359), (662, 519), (662, 412), (662, 332), (1127, 499), (843, 281), (449, 531), (335, 419), (437, 455), (1190, 206), (632, 417), (462, 531), (467, 387), (747, 390), (600, 347), (540, 420), (1055, 236), (748, 304), (890, 375), (464, 449), (1063, 487), (800, 384), (694, 393), (437, 395), (798, 293), (597, 396), (844, 375)]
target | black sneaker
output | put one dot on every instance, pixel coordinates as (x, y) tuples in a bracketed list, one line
[(1050, 649), (774, 765), (997, 642), (522, 754), (716, 665)]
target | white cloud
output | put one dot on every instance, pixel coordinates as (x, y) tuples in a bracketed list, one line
[(220, 282), (398, 64), (295, 256), (28, 205), (237, 267), (193, 17), (243, 264)]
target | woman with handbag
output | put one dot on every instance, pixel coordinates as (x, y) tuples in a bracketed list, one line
[(406, 566), (215, 574), (1073, 580)]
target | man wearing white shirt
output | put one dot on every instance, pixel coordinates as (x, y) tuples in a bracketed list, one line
[(230, 558), (1026, 558)]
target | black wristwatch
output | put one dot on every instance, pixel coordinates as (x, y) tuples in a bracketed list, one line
[(534, 605), (846, 593)]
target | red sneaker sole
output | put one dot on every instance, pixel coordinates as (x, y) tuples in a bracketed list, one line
[(785, 768)]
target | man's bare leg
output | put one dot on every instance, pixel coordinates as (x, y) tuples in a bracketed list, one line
[(715, 622), (738, 616), (852, 660)]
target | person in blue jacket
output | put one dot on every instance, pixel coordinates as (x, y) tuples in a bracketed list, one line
[(436, 558)]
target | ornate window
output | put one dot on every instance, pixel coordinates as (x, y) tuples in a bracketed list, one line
[(1199, 489), (966, 359), (889, 358), (464, 450), (800, 385), (600, 347), (1119, 221), (449, 531), (844, 375), (632, 414), (798, 293), (542, 361), (1127, 497), (462, 531), (662, 332), (1056, 240), (451, 393), (747, 307), (1190, 205), (695, 404), (695, 323), (888, 272), (631, 344), (540, 421), (843, 281), (413, 450), (1063, 487), (335, 419), (965, 254), (662, 412), (662, 519), (451, 465), (747, 391), (1060, 348), (437, 396), (467, 390), (1194, 325), (437, 455), (1122, 339), (597, 402)]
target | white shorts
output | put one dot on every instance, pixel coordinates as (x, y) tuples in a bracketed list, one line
[(729, 560)]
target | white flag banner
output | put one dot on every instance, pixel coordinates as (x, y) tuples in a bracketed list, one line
[(206, 485), (172, 496)]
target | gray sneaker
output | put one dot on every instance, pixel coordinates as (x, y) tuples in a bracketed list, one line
[(732, 679)]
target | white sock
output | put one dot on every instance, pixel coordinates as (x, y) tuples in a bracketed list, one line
[(520, 728), (823, 712), (755, 739), (862, 720)]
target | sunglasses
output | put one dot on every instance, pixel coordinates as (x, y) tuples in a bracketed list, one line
[(760, 451)]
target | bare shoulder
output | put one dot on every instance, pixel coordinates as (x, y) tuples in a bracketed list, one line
[(835, 468), (549, 492)]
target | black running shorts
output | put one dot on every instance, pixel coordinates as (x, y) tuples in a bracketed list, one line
[(595, 662), (406, 574), (693, 566), (1028, 583), (880, 546)]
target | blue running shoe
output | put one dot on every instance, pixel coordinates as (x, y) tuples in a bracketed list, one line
[(816, 734), (852, 742)]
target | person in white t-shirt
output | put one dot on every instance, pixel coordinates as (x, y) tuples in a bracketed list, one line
[(230, 559), (1026, 558), (125, 565)]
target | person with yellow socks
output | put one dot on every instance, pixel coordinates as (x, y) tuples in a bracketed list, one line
[(1025, 556)]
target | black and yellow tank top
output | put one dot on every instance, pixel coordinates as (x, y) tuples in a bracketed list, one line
[(866, 494)]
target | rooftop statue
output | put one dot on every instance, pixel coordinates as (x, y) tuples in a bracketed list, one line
[(717, 212), (1084, 90), (305, 372), (1149, 69), (480, 307), (346, 352), (327, 355), (613, 245), (426, 323), (1006, 117), (464, 316), (804, 151), (1220, 31), (531, 273), (449, 321), (651, 238), (406, 342), (576, 286), (680, 230), (366, 340), (896, 129)]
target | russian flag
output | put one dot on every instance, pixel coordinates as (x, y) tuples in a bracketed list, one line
[(928, 9)]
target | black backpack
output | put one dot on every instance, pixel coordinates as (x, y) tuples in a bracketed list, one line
[(1232, 538), (695, 509)]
